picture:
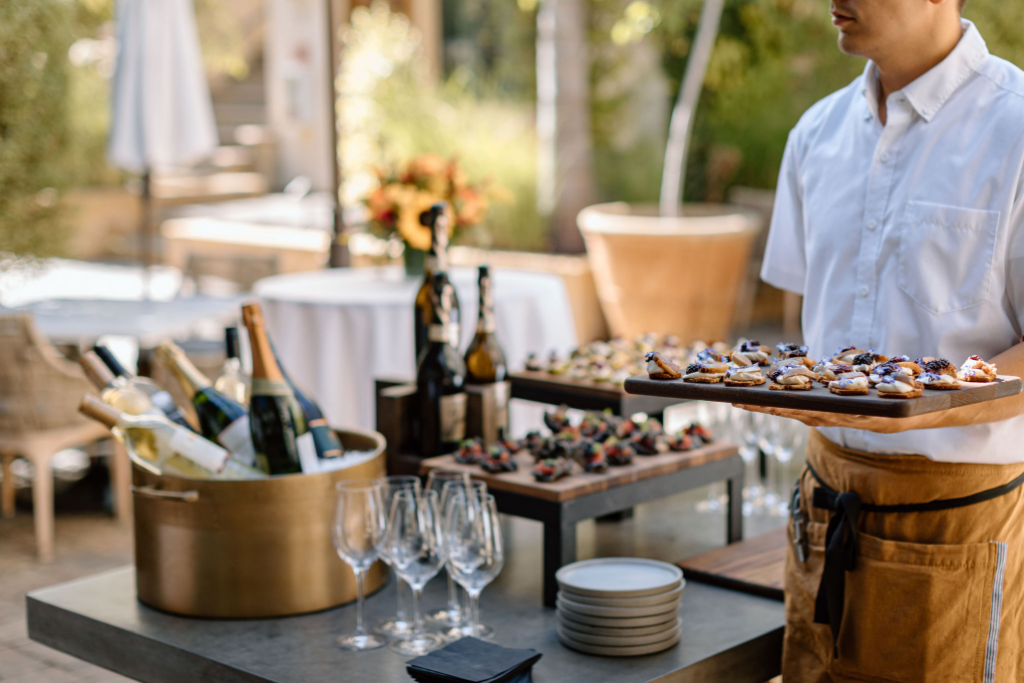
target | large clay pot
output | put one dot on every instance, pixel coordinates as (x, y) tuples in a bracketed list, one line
[(669, 275)]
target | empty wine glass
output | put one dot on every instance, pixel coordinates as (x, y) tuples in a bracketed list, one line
[(398, 625), (475, 550), (451, 614), (417, 551), (477, 490), (358, 534)]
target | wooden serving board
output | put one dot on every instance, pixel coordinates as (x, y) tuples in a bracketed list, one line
[(756, 565), (822, 400), (580, 483), (583, 394)]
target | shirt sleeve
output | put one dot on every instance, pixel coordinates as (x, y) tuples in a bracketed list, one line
[(785, 259)]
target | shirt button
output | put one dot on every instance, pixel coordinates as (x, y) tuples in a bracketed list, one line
[(884, 157), (863, 291), (872, 225)]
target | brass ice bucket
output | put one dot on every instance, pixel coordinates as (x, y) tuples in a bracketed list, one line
[(234, 549)]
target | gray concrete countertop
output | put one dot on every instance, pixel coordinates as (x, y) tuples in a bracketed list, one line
[(727, 636)]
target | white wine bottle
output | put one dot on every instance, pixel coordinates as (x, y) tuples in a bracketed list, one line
[(159, 396), (233, 382), (114, 391), (169, 446), (220, 418), (435, 218)]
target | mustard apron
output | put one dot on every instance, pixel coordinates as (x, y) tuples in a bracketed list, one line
[(902, 569)]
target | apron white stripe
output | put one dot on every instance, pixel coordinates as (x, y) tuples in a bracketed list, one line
[(992, 647)]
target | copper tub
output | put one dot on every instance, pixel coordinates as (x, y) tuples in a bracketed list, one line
[(235, 549)]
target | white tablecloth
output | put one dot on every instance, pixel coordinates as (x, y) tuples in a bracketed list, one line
[(338, 330)]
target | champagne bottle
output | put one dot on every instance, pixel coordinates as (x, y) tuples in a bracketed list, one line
[(233, 382), (114, 390), (327, 443), (283, 442), (168, 446), (436, 218), (220, 419), (485, 361), (160, 397), (440, 378)]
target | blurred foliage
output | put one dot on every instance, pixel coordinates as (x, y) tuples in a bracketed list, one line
[(489, 47), (34, 125)]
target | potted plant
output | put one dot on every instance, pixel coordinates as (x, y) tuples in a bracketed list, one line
[(669, 268)]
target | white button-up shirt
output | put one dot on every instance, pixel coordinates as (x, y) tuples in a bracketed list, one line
[(909, 237)]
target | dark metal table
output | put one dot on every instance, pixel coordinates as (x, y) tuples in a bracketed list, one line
[(726, 636)]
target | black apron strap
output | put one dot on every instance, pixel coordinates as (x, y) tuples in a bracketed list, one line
[(841, 540)]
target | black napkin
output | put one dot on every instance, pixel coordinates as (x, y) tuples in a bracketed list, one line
[(471, 660)]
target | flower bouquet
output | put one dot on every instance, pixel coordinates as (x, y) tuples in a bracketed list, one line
[(405, 193)]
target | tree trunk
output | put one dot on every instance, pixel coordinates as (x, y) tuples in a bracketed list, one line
[(565, 179)]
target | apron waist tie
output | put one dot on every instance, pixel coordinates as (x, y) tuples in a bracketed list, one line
[(841, 540)]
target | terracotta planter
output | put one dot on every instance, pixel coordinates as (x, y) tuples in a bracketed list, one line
[(669, 275)]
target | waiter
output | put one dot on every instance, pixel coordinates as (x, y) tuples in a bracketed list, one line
[(900, 219)]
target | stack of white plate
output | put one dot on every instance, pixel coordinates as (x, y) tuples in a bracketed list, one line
[(619, 606)]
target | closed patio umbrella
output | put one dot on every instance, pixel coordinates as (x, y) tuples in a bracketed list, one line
[(162, 114)]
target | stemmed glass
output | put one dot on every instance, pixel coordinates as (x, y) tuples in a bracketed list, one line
[(476, 490), (417, 551), (475, 550), (398, 625), (451, 614), (358, 534)]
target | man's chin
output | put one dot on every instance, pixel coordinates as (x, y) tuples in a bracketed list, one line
[(850, 45)]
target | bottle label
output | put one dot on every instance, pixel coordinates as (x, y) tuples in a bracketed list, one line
[(164, 401), (197, 449), (439, 333), (453, 417), (455, 334), (262, 386), (237, 438), (308, 461)]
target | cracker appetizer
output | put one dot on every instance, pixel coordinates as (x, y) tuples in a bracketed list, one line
[(793, 377), (756, 352), (908, 365), (551, 469), (867, 361), (883, 370), (699, 433), (679, 442), (744, 376), (705, 373), (659, 368), (975, 369), (850, 384), (938, 366), (786, 351), (497, 460), (831, 371), (617, 452), (899, 386), (646, 443), (592, 458), (710, 355), (470, 451), (934, 380), (534, 364)]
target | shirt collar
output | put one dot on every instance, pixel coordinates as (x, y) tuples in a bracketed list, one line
[(928, 93)]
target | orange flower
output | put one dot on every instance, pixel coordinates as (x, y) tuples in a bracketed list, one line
[(412, 231)]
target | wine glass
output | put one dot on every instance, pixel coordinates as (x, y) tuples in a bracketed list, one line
[(398, 625), (451, 614), (417, 550), (477, 490), (475, 550), (358, 533)]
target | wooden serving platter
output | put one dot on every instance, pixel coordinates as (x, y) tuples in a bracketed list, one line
[(822, 400), (584, 394), (580, 483), (755, 565)]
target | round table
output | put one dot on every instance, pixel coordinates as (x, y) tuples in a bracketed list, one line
[(338, 330)]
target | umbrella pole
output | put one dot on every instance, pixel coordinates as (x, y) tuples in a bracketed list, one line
[(339, 256), (147, 234)]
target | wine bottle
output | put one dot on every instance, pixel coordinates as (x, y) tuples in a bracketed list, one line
[(485, 361), (220, 418), (168, 446), (233, 382), (435, 218), (440, 378), (160, 397), (114, 390), (283, 442), (327, 443)]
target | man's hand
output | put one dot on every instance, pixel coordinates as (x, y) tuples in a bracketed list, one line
[(812, 418)]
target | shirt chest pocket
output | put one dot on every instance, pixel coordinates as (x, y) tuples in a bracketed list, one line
[(945, 255)]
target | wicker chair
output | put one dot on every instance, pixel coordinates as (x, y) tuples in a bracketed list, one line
[(39, 395)]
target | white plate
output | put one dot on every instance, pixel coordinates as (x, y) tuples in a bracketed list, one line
[(656, 599), (606, 622), (617, 631), (619, 577), (612, 651), (620, 641), (564, 603)]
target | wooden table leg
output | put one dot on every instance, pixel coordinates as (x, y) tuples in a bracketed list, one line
[(734, 511), (42, 506), (559, 550), (7, 489)]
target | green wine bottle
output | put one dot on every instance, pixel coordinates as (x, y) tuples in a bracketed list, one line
[(327, 443), (439, 380)]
